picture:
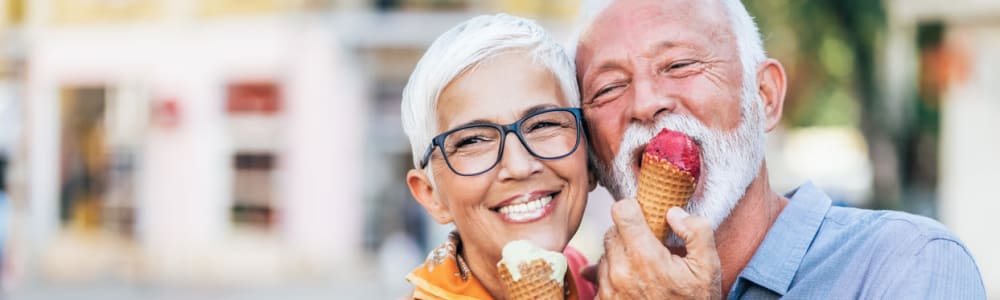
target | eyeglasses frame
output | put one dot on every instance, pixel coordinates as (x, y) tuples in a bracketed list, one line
[(515, 127)]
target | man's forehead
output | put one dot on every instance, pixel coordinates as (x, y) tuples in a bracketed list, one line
[(638, 8), (635, 23), (627, 11)]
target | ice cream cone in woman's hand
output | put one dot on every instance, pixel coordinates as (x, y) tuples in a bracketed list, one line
[(529, 272)]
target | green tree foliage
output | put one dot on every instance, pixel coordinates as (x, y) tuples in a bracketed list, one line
[(828, 48)]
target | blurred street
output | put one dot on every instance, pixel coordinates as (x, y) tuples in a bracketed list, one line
[(253, 149), (129, 290)]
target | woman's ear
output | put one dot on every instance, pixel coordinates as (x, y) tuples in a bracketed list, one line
[(772, 84), (423, 191)]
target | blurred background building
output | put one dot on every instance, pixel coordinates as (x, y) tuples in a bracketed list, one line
[(252, 149)]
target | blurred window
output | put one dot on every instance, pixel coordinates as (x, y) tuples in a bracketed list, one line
[(253, 97), (252, 189), (253, 108)]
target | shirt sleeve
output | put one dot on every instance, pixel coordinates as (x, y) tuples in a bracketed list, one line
[(942, 269)]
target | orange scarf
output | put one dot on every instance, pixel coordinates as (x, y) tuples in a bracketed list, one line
[(445, 275)]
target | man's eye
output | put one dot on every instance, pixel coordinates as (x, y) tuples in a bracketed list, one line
[(606, 90), (682, 68), (603, 91), (680, 65)]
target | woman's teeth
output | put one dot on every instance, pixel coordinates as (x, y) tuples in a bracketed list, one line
[(526, 210)]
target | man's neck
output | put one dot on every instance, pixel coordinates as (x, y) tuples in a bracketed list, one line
[(738, 237)]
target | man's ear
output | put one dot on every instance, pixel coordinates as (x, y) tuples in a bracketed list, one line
[(423, 191), (771, 87)]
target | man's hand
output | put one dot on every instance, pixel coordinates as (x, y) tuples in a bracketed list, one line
[(637, 266)]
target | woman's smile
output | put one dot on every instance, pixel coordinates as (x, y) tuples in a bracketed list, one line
[(527, 207)]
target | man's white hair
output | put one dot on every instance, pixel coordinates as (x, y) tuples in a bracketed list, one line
[(463, 48), (748, 39)]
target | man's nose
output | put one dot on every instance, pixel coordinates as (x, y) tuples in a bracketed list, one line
[(650, 103), (516, 162)]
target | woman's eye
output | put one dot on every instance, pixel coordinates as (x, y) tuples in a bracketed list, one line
[(541, 125), (469, 141)]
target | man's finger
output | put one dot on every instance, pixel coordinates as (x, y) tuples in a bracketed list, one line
[(613, 244), (604, 288), (631, 223), (699, 240)]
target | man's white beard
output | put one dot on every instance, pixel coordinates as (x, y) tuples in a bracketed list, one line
[(730, 160)]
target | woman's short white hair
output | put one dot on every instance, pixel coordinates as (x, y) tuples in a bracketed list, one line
[(464, 47)]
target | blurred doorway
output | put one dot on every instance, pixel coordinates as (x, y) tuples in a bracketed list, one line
[(96, 188), (83, 164), (252, 189)]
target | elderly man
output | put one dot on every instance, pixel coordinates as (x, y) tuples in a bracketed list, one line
[(699, 67)]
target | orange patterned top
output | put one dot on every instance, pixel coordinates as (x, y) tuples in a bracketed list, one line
[(445, 275)]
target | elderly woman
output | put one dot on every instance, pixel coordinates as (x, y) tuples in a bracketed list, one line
[(491, 111)]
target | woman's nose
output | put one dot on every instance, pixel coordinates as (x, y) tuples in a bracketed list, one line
[(516, 162), (649, 104)]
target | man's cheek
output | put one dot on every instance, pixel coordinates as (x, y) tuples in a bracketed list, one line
[(605, 131), (610, 142)]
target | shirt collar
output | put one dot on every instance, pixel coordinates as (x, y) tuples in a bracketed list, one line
[(776, 261)]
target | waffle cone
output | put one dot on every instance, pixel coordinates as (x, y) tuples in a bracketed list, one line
[(662, 185), (535, 283)]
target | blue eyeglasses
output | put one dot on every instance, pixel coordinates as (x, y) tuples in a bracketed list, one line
[(475, 149)]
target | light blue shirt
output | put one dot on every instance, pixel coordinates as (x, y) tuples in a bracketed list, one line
[(818, 251)]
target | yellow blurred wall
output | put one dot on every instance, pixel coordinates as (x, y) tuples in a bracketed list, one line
[(70, 12)]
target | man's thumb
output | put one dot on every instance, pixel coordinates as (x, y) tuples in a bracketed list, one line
[(631, 223), (696, 233)]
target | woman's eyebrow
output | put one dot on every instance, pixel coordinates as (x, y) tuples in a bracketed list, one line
[(473, 122), (526, 112), (537, 108)]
